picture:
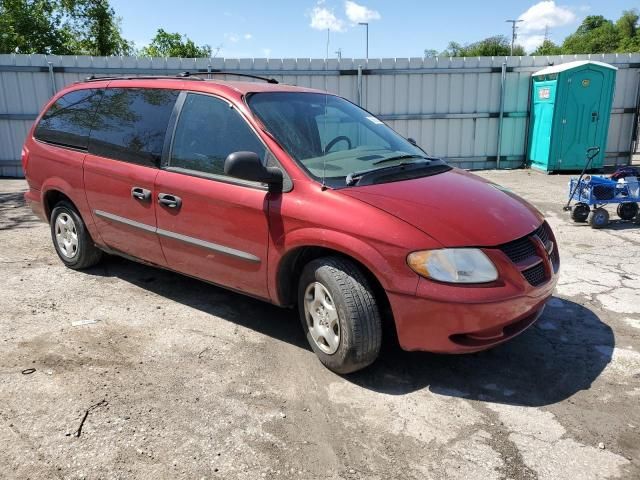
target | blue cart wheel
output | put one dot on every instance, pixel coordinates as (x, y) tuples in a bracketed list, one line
[(599, 218), (580, 212), (627, 210)]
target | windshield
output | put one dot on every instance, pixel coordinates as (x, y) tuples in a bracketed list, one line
[(333, 139)]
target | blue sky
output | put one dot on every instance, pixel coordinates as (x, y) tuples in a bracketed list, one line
[(397, 28)]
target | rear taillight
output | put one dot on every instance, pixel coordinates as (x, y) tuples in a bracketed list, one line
[(25, 159)]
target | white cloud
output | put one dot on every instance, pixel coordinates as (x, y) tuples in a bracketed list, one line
[(247, 36), (530, 42), (359, 13), (545, 14), (322, 19), (232, 37)]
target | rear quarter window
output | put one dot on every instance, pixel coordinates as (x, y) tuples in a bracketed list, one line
[(67, 122), (131, 123)]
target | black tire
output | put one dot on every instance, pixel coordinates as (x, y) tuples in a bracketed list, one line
[(580, 212), (85, 254), (627, 210), (358, 313), (599, 218)]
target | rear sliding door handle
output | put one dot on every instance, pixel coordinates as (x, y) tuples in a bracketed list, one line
[(169, 200), (140, 193)]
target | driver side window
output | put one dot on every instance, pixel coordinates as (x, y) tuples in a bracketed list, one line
[(208, 130)]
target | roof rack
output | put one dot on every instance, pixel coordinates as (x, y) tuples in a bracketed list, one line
[(238, 74), (182, 76)]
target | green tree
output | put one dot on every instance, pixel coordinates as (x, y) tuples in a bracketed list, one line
[(166, 44), (453, 50), (628, 31), (497, 46), (33, 26), (596, 34), (62, 27), (547, 48), (96, 29)]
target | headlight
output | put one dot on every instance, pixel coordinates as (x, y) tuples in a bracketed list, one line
[(453, 265)]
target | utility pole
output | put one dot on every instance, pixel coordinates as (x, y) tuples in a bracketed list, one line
[(366, 26), (339, 53), (514, 35), (546, 33)]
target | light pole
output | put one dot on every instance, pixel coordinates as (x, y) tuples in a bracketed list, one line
[(366, 26), (514, 35)]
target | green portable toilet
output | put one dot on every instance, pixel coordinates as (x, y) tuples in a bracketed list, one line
[(570, 110)]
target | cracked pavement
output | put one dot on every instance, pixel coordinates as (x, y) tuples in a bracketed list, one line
[(182, 379)]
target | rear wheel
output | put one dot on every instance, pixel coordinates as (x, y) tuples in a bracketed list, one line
[(627, 210), (580, 212), (71, 240), (599, 218), (339, 314)]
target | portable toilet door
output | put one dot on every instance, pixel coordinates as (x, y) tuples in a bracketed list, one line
[(581, 114), (542, 113)]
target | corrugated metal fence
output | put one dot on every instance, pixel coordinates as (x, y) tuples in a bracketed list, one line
[(451, 106)]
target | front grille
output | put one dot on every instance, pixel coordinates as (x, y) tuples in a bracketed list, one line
[(524, 248), (542, 234), (535, 275)]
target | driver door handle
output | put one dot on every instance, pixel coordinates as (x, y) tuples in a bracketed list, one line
[(140, 193), (169, 200)]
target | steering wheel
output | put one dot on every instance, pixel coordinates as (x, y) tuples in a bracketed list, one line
[(332, 143)]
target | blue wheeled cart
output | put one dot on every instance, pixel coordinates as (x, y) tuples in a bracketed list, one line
[(598, 191)]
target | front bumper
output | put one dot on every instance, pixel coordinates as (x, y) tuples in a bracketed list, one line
[(446, 318)]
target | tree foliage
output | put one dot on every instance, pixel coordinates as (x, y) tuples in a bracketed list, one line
[(33, 26), (166, 44), (95, 28), (596, 34), (62, 27), (629, 31), (497, 46), (547, 48)]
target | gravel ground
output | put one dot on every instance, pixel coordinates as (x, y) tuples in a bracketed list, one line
[(174, 378)]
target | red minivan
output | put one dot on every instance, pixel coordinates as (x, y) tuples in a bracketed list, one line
[(294, 196)]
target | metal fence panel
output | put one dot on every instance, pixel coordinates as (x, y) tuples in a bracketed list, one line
[(450, 106)]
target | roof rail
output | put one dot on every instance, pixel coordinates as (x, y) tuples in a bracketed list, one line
[(180, 76), (238, 74)]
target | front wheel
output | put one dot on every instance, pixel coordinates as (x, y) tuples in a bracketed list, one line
[(339, 314), (580, 212), (71, 239)]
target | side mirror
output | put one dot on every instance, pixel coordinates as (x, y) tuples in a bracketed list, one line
[(247, 166)]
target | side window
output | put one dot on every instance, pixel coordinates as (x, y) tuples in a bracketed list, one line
[(68, 120), (208, 130), (131, 124)]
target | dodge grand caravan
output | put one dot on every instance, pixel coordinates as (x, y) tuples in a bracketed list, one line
[(296, 197)]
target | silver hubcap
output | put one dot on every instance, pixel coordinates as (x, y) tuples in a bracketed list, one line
[(66, 235), (322, 318)]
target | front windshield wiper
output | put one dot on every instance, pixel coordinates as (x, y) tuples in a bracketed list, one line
[(399, 157), (354, 177)]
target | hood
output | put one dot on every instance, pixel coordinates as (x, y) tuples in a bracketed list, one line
[(456, 208)]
